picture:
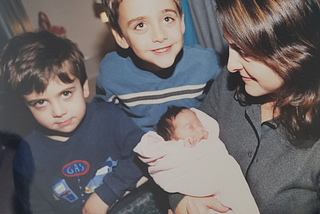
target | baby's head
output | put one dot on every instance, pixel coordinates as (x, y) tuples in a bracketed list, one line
[(152, 29), (49, 73), (180, 123)]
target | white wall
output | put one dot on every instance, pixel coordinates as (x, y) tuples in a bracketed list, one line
[(78, 18)]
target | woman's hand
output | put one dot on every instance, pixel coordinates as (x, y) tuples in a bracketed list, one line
[(199, 205)]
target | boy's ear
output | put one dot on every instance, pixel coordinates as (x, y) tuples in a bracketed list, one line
[(85, 88), (121, 41), (183, 26)]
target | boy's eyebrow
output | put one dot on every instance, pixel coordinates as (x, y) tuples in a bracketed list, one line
[(141, 18), (170, 10), (37, 99), (31, 102), (67, 89), (138, 19)]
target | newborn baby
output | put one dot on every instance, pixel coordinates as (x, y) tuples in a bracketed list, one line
[(187, 156)]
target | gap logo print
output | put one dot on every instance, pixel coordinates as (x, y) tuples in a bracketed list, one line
[(98, 178), (60, 187)]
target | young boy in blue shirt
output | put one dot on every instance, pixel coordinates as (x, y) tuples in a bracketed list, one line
[(79, 158), (155, 71)]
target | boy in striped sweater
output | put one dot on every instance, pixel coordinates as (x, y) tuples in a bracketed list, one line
[(154, 70)]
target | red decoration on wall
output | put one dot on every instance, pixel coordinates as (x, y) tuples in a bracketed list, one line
[(44, 24)]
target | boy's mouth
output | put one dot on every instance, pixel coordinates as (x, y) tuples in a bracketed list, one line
[(65, 123), (163, 50)]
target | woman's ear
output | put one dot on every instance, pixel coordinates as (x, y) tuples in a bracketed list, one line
[(121, 41)]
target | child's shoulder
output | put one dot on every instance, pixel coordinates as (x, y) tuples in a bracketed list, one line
[(202, 60), (198, 55), (113, 66), (105, 111), (103, 108), (199, 51), (113, 59)]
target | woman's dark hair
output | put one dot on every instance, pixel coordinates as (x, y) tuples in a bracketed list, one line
[(285, 36), (165, 127)]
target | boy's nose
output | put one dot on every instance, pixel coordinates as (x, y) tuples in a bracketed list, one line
[(58, 110), (234, 63), (159, 34)]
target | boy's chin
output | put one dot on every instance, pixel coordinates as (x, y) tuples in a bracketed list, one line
[(158, 63), (156, 67), (164, 63), (167, 62)]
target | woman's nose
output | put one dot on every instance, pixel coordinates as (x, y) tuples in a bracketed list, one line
[(234, 61)]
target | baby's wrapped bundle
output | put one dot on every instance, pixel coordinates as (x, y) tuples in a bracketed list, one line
[(204, 170)]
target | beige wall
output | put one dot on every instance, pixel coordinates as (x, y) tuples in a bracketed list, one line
[(78, 18)]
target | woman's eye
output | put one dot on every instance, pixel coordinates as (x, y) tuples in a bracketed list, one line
[(238, 50), (140, 26), (242, 53)]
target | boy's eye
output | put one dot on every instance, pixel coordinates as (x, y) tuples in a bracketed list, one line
[(140, 26), (39, 103), (66, 94), (168, 19)]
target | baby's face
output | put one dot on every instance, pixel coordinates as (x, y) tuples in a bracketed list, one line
[(189, 128)]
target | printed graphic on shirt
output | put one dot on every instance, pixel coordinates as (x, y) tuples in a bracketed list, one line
[(76, 168), (62, 190), (98, 178)]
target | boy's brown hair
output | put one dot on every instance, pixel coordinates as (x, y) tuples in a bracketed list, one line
[(30, 61), (112, 10)]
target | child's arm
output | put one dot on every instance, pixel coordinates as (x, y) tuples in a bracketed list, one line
[(126, 174), (26, 194), (107, 78), (102, 93), (95, 205), (21, 176)]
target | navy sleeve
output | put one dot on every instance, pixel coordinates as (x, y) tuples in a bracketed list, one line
[(22, 175), (23, 172), (127, 173)]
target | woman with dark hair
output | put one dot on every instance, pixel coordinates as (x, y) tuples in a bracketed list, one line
[(268, 103)]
